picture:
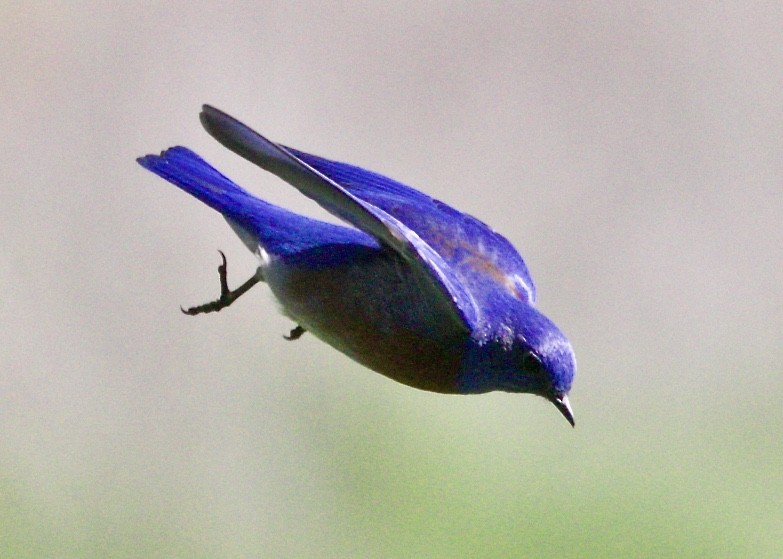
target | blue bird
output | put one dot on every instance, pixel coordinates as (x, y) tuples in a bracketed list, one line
[(415, 290)]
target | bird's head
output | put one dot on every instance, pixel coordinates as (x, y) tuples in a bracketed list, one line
[(532, 356), (546, 369), (544, 360)]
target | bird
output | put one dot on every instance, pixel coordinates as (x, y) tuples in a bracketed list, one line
[(409, 287)]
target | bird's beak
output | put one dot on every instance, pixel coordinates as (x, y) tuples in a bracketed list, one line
[(564, 406)]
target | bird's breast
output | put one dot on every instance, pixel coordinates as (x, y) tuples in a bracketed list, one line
[(374, 309)]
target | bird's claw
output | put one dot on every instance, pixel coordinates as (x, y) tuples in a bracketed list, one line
[(226, 295), (295, 333)]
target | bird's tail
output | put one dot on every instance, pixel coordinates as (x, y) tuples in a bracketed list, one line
[(256, 222), (188, 171)]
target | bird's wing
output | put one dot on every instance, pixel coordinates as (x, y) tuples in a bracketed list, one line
[(337, 200), (474, 252)]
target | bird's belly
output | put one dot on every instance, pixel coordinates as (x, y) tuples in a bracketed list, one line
[(378, 314)]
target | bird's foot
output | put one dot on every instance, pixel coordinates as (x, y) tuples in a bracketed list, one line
[(226, 295), (295, 333)]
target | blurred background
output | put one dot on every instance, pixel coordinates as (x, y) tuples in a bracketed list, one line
[(631, 152)]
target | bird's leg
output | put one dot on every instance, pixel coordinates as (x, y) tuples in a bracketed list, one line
[(295, 333), (226, 295)]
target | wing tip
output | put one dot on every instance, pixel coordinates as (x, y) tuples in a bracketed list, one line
[(216, 122)]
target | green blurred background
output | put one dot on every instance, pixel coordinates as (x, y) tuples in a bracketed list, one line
[(631, 151)]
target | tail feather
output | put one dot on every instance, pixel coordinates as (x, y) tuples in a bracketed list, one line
[(278, 230)]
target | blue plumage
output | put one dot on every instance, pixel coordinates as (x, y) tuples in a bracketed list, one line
[(280, 231), (415, 290), (468, 246)]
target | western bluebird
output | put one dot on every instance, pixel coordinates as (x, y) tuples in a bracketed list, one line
[(415, 290)]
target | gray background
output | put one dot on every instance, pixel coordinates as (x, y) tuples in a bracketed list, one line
[(632, 152)]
